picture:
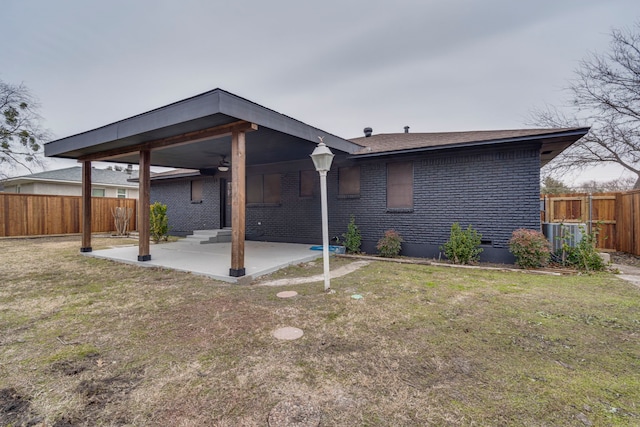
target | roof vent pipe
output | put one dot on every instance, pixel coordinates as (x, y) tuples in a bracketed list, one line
[(367, 132), (406, 129)]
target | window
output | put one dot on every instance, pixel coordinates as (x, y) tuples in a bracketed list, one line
[(263, 189), (196, 191), (122, 193), (349, 181), (254, 189), (97, 192), (307, 183), (400, 185), (272, 188)]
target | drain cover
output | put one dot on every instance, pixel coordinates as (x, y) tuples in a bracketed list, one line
[(288, 333), (286, 294)]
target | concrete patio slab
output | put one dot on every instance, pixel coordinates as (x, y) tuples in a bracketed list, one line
[(214, 259)]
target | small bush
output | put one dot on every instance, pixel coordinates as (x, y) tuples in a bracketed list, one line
[(530, 247), (352, 238), (159, 227), (584, 256), (390, 245), (462, 246)]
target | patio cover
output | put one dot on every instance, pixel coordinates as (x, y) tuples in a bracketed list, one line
[(194, 134)]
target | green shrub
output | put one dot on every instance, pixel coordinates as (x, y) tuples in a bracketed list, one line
[(530, 247), (159, 227), (462, 246), (390, 245), (352, 238), (584, 256)]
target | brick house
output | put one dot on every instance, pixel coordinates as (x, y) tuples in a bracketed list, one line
[(241, 165), (416, 183)]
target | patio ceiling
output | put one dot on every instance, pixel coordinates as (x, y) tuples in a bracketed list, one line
[(189, 124)]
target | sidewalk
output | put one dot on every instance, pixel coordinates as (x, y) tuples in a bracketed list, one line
[(628, 273)]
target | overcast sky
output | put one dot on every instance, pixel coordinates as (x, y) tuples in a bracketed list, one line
[(434, 65)]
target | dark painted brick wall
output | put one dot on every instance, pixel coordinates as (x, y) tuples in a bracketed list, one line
[(496, 190), (184, 216)]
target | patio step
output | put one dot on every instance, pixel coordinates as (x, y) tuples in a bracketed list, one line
[(210, 236)]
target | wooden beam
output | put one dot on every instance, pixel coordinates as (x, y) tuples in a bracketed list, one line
[(86, 207), (238, 197), (144, 196), (173, 141)]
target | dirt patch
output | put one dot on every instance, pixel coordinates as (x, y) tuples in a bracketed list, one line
[(101, 401), (15, 409), (73, 367), (625, 259), (98, 392)]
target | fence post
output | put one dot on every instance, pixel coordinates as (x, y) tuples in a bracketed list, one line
[(546, 208), (590, 217)]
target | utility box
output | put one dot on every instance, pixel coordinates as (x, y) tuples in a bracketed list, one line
[(559, 233)]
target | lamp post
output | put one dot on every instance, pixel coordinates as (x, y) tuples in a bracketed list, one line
[(322, 158)]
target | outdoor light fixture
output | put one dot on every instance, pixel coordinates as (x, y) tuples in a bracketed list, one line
[(224, 165), (322, 158)]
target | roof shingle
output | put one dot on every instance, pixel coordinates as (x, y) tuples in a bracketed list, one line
[(74, 174), (391, 142)]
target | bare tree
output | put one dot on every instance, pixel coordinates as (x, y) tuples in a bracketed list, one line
[(21, 133), (605, 96), (593, 186)]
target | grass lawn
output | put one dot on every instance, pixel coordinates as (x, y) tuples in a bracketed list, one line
[(91, 342)]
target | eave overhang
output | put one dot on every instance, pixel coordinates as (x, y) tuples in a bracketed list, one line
[(276, 137)]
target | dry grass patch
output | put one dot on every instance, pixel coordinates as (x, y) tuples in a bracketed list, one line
[(93, 342)]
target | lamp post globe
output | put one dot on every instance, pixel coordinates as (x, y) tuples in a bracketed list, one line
[(322, 157)]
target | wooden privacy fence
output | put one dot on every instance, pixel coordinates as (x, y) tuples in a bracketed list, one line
[(34, 214), (628, 215), (615, 213)]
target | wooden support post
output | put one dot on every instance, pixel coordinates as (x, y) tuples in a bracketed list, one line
[(86, 207), (144, 197), (238, 197)]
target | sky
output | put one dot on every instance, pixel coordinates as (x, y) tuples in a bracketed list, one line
[(339, 65)]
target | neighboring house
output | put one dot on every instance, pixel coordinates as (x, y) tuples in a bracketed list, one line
[(68, 182), (416, 183)]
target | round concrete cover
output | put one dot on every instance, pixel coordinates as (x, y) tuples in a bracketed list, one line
[(288, 333), (286, 294)]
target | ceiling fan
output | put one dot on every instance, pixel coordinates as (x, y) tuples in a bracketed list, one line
[(224, 164)]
